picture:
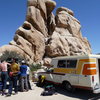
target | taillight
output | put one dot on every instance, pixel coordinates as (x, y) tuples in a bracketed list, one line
[(93, 79)]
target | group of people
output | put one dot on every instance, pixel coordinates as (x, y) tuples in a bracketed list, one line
[(16, 74)]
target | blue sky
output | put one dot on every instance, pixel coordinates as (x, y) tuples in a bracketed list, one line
[(12, 15)]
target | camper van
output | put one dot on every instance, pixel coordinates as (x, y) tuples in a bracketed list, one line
[(75, 72)]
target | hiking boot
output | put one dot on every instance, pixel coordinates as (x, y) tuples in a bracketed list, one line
[(3, 92), (8, 95), (25, 90), (15, 93)]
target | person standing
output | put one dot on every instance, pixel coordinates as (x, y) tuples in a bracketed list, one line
[(28, 80), (4, 75), (23, 76), (13, 77)]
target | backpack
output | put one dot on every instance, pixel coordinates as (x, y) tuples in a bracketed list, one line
[(48, 90)]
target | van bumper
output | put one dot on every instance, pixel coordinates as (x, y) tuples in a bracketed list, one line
[(96, 91)]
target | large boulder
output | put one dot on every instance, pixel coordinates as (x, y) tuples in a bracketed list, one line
[(44, 35), (31, 41), (67, 40)]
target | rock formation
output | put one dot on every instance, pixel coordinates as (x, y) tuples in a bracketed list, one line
[(45, 35)]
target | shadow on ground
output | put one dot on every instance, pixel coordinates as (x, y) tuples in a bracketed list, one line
[(79, 94)]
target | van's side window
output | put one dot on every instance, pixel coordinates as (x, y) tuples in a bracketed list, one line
[(71, 63), (62, 64)]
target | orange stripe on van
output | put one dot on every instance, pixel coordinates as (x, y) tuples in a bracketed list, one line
[(88, 60), (81, 62), (87, 69)]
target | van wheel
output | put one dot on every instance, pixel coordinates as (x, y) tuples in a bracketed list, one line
[(68, 86)]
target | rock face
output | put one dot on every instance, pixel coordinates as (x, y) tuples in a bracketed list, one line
[(67, 38), (45, 35)]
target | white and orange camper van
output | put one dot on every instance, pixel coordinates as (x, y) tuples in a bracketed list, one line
[(75, 71)]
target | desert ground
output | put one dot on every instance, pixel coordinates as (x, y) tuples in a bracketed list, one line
[(61, 94)]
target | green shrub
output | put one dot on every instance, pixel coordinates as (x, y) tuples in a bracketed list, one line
[(35, 67)]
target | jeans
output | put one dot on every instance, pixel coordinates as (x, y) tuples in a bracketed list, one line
[(24, 83), (28, 81), (4, 77), (13, 83)]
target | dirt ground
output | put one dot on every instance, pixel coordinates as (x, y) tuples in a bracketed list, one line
[(35, 94)]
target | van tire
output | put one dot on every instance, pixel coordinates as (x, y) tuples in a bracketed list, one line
[(68, 86)]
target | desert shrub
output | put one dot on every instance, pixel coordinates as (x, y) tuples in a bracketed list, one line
[(8, 55)]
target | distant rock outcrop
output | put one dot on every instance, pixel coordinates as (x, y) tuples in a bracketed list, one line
[(45, 35)]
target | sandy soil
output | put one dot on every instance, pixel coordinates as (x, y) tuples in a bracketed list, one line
[(35, 94)]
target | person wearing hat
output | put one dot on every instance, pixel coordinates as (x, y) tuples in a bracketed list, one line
[(23, 76)]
